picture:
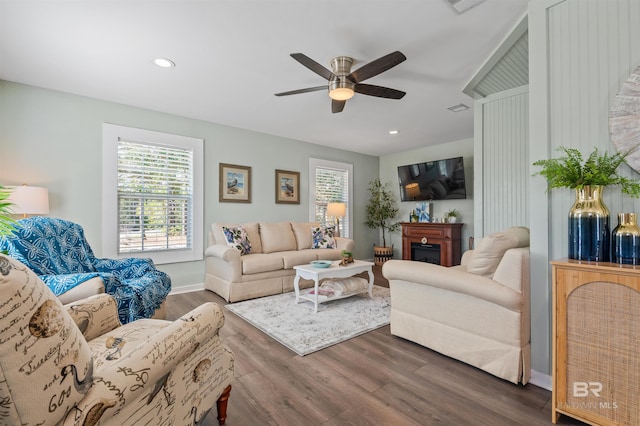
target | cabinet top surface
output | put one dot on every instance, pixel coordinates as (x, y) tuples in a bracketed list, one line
[(430, 224), (599, 266)]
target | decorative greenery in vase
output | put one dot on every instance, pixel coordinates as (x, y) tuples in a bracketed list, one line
[(382, 209), (452, 213), (571, 171), (7, 223)]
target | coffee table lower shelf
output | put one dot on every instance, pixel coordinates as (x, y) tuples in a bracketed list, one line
[(310, 272)]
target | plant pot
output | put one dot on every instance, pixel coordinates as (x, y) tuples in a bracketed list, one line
[(589, 232), (452, 219), (382, 254)]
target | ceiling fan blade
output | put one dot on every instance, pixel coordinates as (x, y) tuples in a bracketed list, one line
[(307, 90), (376, 67), (313, 65), (379, 91), (337, 106)]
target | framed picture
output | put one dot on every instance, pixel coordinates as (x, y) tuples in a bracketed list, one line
[(287, 187), (235, 184)]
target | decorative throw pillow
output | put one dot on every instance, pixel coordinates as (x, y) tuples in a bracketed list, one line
[(491, 249), (322, 237), (237, 238)]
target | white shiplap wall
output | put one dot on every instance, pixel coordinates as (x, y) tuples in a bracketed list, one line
[(505, 159), (581, 51), (594, 45)]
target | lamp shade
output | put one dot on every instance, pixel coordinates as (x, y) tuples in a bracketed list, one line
[(336, 209), (29, 200)]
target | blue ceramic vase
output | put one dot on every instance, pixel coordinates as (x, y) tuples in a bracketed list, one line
[(625, 240), (589, 231)]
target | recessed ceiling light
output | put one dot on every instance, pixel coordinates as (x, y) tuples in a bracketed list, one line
[(394, 132), (164, 62), (458, 108)]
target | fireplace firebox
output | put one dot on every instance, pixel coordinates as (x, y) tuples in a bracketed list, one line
[(429, 253)]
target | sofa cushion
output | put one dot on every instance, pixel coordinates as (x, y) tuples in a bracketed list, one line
[(252, 229), (298, 257), (36, 327), (237, 238), (322, 237), (302, 232), (277, 236), (262, 262), (491, 249)]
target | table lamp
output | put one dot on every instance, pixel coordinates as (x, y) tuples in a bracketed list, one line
[(29, 200), (337, 210)]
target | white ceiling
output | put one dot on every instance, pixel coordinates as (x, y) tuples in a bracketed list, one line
[(232, 56)]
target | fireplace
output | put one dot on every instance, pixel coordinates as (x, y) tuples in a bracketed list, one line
[(429, 253)]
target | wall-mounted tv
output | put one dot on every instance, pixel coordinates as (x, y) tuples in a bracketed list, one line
[(433, 180)]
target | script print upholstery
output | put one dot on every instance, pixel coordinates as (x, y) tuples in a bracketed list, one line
[(79, 366), (58, 252)]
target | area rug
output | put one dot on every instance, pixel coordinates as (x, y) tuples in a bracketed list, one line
[(298, 328)]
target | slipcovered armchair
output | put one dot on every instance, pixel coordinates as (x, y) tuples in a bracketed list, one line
[(58, 252), (477, 312), (77, 365)]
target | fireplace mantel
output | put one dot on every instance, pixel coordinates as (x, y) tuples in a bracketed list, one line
[(447, 235)]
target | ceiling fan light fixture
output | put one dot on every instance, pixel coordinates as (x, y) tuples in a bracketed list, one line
[(341, 89), (341, 94)]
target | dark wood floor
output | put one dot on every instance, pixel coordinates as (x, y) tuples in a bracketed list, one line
[(374, 379)]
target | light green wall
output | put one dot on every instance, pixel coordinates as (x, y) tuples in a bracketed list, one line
[(581, 51), (389, 173), (54, 140)]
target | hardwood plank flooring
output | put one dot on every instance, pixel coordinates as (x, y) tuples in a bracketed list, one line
[(373, 379)]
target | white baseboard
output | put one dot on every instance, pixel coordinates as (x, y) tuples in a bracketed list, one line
[(541, 380), (186, 288)]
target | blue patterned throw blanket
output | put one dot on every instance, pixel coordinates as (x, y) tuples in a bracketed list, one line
[(57, 251)]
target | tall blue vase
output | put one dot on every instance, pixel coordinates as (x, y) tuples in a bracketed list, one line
[(589, 231), (625, 240)]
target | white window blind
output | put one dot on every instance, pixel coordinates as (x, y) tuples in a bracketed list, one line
[(155, 191), (331, 184), (152, 195)]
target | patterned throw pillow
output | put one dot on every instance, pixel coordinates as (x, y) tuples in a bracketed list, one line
[(238, 239), (322, 237)]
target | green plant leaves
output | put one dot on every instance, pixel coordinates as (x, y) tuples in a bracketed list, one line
[(571, 171), (7, 223)]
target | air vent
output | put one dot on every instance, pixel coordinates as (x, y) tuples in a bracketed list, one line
[(458, 108), (462, 6)]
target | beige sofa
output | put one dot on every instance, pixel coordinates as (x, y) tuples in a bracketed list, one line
[(477, 312), (276, 247)]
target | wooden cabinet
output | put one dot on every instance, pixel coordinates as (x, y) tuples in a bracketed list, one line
[(447, 235), (596, 342)]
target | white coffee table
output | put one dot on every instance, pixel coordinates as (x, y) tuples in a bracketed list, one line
[(310, 272)]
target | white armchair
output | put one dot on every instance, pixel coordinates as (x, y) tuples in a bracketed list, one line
[(477, 312)]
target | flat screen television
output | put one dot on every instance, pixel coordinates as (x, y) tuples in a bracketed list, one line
[(433, 180)]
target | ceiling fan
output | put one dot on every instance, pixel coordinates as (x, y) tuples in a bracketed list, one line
[(343, 83)]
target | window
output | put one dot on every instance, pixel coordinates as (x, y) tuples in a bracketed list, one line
[(330, 182), (152, 195)]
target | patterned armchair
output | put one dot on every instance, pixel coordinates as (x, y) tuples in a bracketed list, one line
[(77, 365), (57, 251)]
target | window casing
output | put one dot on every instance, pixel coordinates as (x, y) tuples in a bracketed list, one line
[(152, 195), (329, 182)]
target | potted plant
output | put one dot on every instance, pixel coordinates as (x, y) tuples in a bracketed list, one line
[(381, 214), (589, 234), (7, 223), (452, 216), (347, 257)]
